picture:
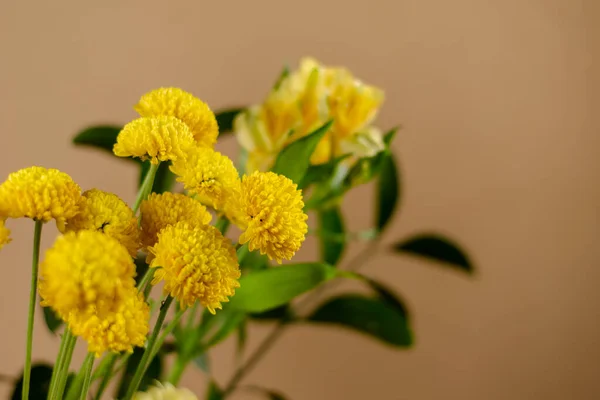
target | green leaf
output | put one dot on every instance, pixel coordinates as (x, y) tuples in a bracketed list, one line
[(388, 191), (437, 248), (389, 297), (242, 337), (389, 137), (254, 261), (203, 362), (330, 223), (214, 392), (53, 321), (163, 180), (269, 393), (270, 288), (321, 172), (225, 119), (294, 159), (152, 373), (102, 136), (277, 313), (370, 316), (39, 383)]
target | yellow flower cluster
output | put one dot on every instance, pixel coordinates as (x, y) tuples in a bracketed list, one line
[(4, 234), (107, 213), (165, 392), (196, 263), (41, 194), (163, 210), (87, 277), (208, 174), (301, 102), (276, 222)]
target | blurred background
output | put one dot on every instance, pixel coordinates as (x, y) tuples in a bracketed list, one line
[(500, 107)]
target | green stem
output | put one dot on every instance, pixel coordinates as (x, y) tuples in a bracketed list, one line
[(86, 369), (222, 225), (141, 368), (146, 187), (59, 360), (168, 329), (106, 375), (63, 372), (146, 279), (37, 236)]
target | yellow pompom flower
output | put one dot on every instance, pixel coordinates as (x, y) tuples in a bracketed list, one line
[(274, 213), (106, 212), (196, 263), (158, 139), (180, 104), (165, 392), (116, 330), (162, 210), (4, 234), (83, 270), (41, 194), (208, 174)]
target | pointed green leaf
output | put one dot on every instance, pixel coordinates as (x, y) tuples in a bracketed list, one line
[(389, 137), (39, 383), (321, 172), (264, 290), (102, 136), (388, 191), (330, 224), (437, 248), (225, 119), (274, 314), (294, 159), (370, 316), (284, 74), (389, 297), (53, 321), (269, 393)]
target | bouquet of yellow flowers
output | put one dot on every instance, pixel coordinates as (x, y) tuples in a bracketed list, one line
[(303, 149)]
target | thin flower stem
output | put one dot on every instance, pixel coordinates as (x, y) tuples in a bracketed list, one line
[(141, 368), (63, 372), (222, 225), (146, 187), (37, 236), (276, 333), (59, 360), (86, 369), (177, 369), (146, 279), (168, 329)]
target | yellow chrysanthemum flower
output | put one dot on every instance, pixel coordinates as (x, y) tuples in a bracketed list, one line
[(4, 234), (107, 213), (162, 210), (274, 214), (84, 270), (305, 100), (165, 392), (196, 263), (158, 139), (208, 174), (115, 330), (184, 106), (41, 194)]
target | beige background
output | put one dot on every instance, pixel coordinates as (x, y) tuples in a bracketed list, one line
[(500, 101)]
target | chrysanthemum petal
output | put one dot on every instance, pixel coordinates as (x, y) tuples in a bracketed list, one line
[(106, 212), (196, 263), (184, 106), (208, 174), (41, 194), (4, 234), (274, 213), (158, 139), (162, 210)]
